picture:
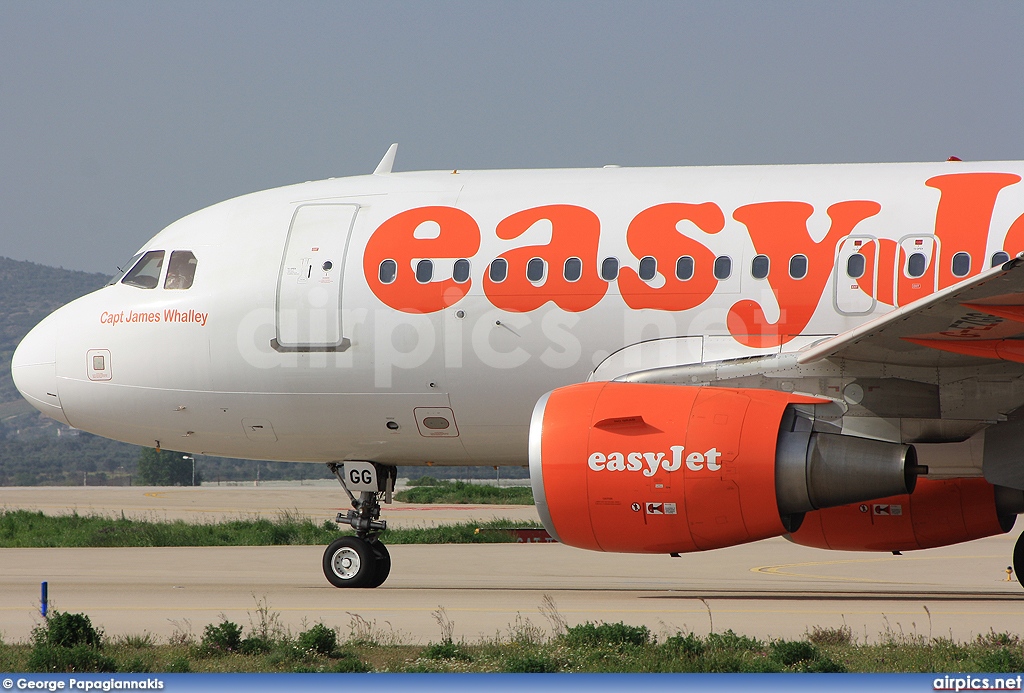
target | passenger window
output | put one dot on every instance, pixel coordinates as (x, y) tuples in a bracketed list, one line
[(648, 268), (424, 271), (181, 270), (499, 270), (798, 266), (1000, 258), (535, 270), (387, 272), (916, 265), (759, 266), (146, 272), (961, 265), (573, 269), (855, 266), (460, 272), (684, 268), (723, 267), (610, 269)]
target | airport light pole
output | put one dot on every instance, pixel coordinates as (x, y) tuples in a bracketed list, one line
[(191, 457)]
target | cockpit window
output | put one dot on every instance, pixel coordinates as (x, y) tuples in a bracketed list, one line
[(146, 272), (123, 270), (181, 270)]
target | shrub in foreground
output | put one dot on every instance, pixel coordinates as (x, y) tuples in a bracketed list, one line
[(607, 634), (62, 629), (447, 650), (68, 643), (223, 637), (319, 640)]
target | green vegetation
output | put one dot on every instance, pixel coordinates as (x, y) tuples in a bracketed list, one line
[(430, 490), (28, 293), (40, 457), (167, 468), (69, 643), (27, 529), (427, 475)]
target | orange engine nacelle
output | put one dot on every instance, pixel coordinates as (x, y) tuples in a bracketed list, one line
[(937, 513), (647, 468)]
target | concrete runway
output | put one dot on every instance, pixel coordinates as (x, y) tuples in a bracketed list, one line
[(771, 588)]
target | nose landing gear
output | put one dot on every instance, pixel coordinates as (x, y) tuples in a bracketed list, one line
[(361, 560)]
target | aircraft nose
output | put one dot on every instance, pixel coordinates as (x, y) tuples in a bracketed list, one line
[(34, 369)]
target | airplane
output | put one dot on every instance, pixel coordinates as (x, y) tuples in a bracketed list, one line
[(686, 358)]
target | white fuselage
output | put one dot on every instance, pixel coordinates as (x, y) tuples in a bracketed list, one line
[(355, 378)]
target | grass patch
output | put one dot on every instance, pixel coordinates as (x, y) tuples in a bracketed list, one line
[(24, 528), (32, 529), (69, 643), (428, 490)]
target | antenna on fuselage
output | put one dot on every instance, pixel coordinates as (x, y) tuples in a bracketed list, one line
[(387, 162)]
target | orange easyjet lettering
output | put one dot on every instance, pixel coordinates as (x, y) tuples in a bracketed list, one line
[(654, 233), (395, 241), (575, 233), (963, 218), (779, 231), (669, 267)]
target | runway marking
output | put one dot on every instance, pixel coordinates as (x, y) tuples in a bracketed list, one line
[(781, 569), (425, 609)]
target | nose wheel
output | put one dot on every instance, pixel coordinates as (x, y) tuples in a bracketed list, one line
[(361, 560), (1018, 558), (356, 562)]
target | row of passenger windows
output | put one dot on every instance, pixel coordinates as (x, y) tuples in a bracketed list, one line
[(144, 270), (917, 264), (572, 269), (760, 266)]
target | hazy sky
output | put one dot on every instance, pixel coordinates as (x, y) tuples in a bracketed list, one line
[(116, 118)]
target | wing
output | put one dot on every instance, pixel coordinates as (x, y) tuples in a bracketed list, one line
[(966, 324)]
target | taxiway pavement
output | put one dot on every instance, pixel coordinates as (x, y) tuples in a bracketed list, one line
[(766, 589)]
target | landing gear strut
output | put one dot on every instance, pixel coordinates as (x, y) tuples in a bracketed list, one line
[(362, 560)]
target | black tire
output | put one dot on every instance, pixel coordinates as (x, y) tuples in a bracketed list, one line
[(350, 562), (1018, 559), (383, 565)]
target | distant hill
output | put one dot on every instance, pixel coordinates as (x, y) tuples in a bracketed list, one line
[(28, 293)]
